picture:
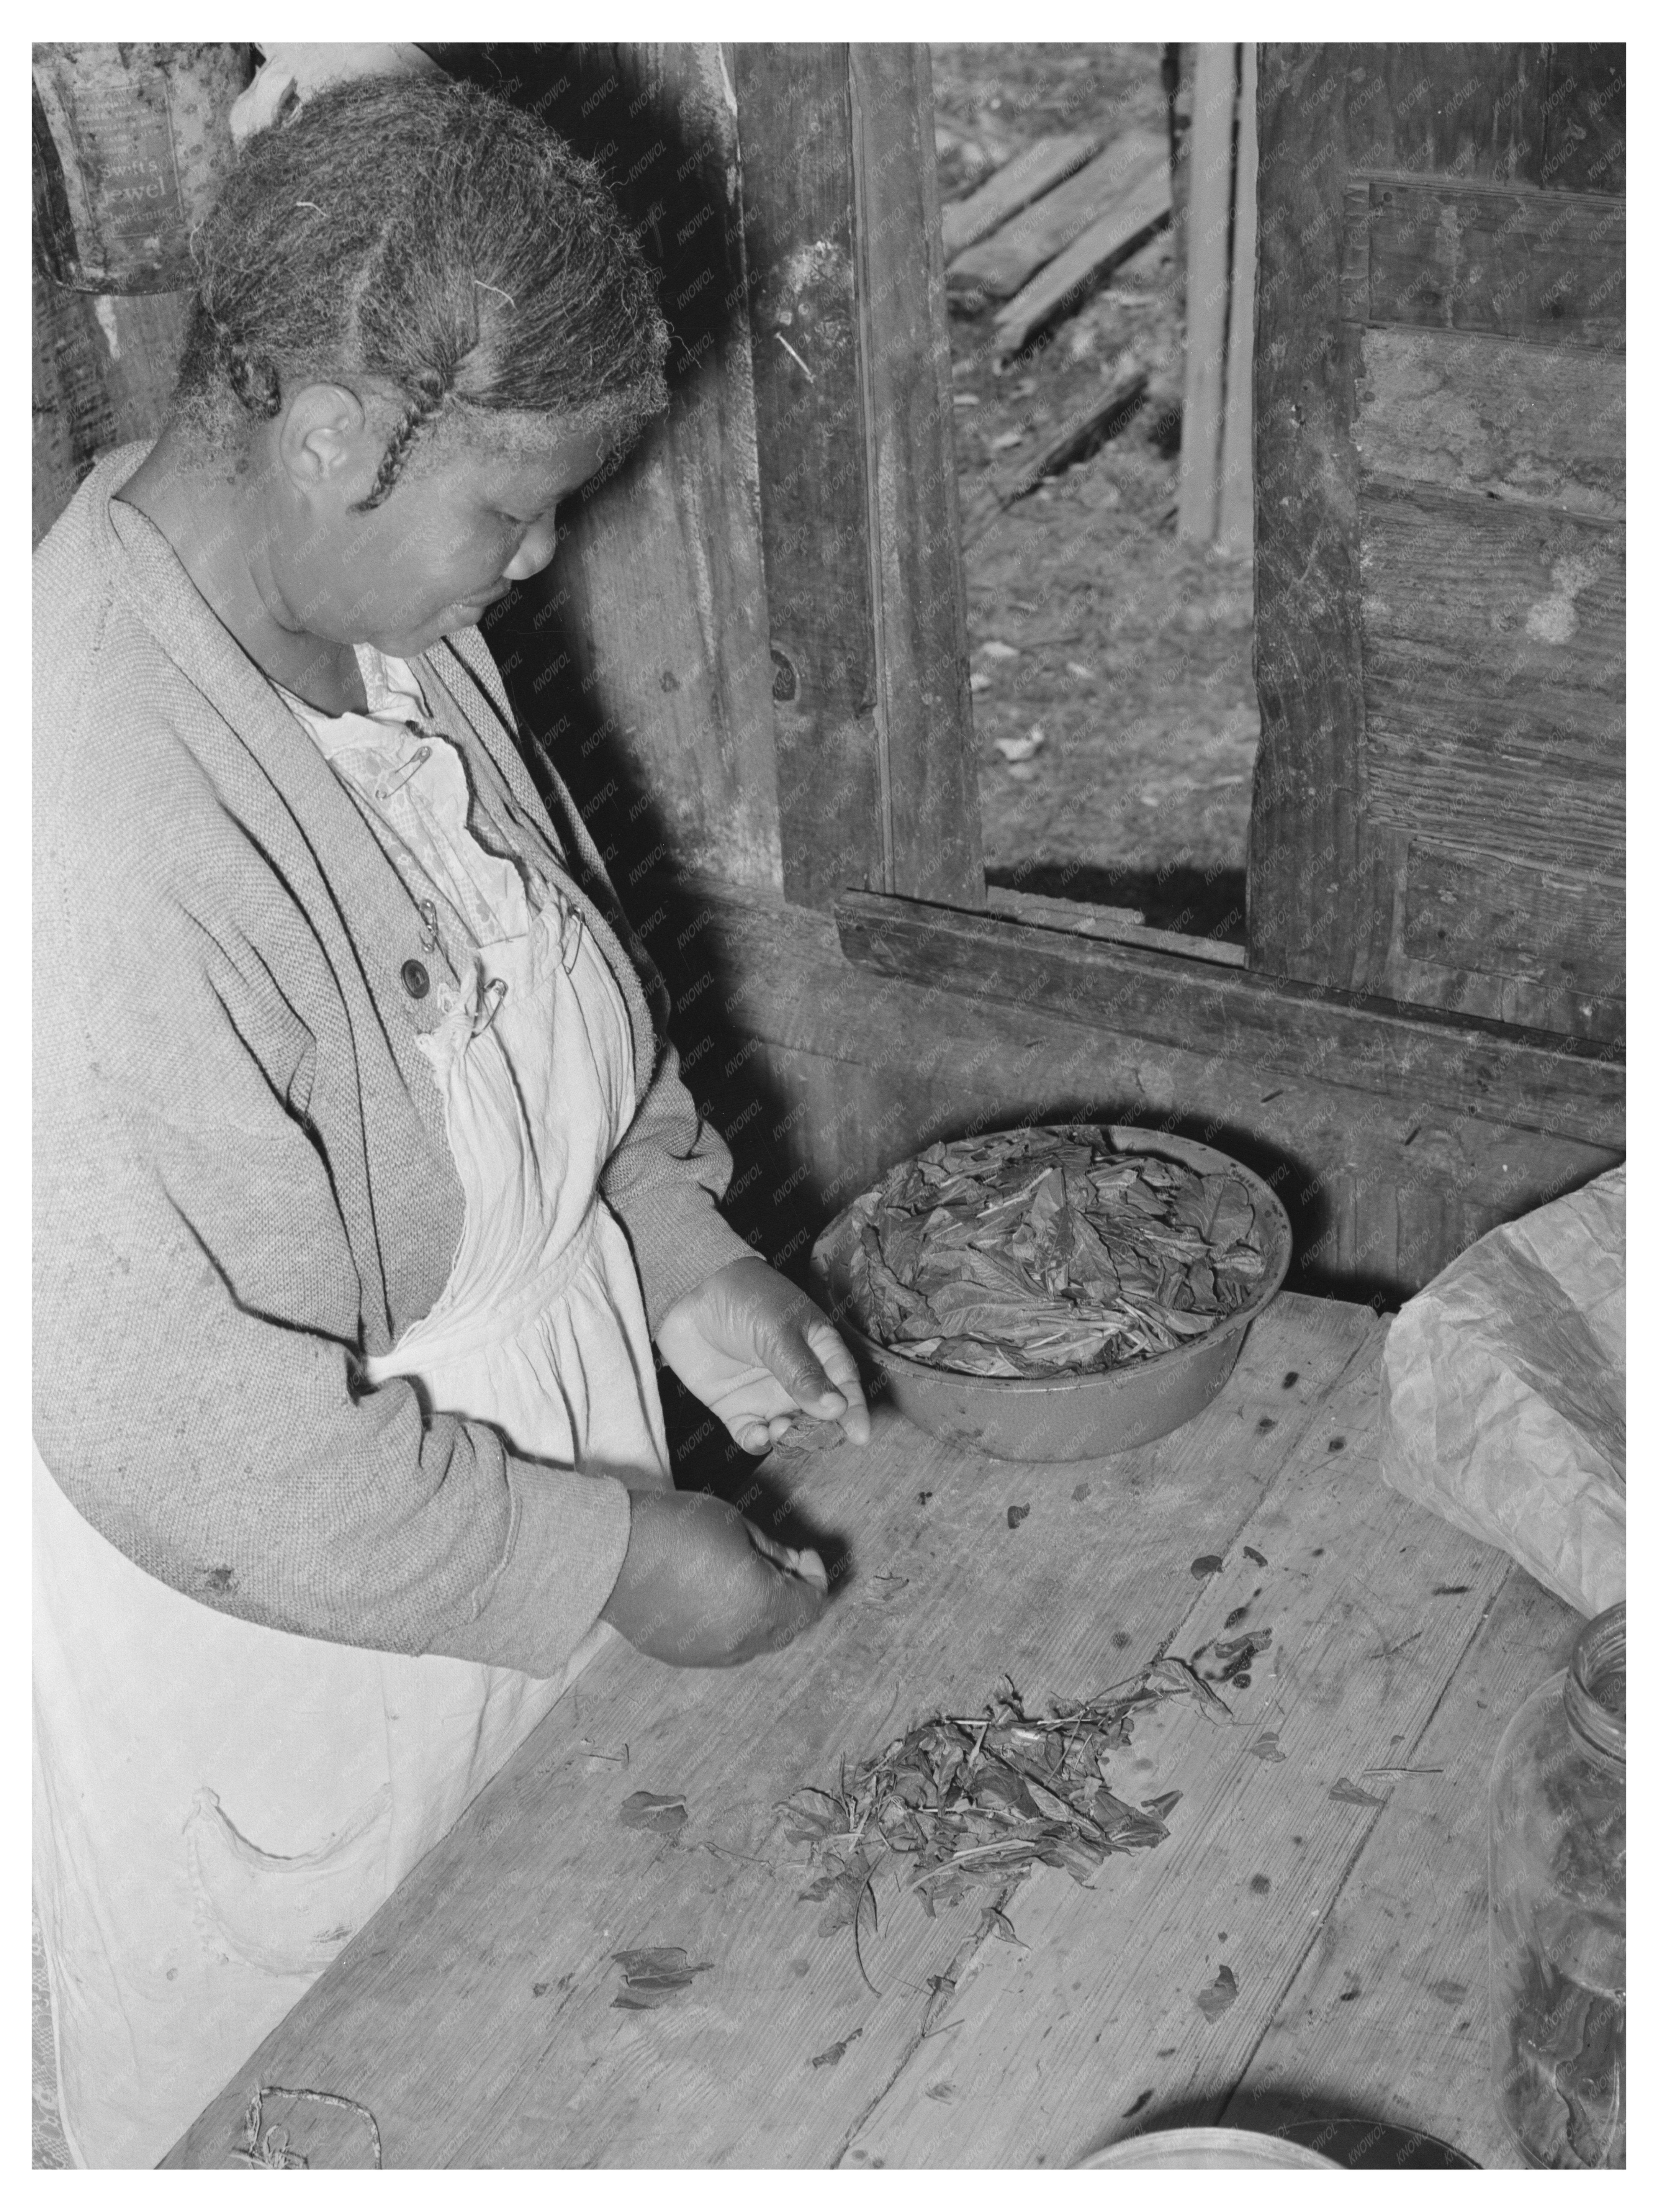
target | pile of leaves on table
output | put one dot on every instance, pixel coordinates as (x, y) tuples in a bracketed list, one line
[(1039, 1251), (959, 1802)]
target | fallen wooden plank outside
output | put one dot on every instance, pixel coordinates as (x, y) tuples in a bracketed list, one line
[(1082, 433), (1069, 279), (1011, 190), (999, 265)]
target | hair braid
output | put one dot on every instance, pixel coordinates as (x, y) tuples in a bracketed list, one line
[(434, 387), (456, 255), (254, 381)]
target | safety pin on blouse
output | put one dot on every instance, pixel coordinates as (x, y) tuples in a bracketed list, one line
[(429, 935), (489, 1005), (410, 767)]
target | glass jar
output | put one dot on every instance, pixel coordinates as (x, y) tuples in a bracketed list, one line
[(1557, 1836)]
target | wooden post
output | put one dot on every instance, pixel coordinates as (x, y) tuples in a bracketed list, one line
[(1209, 224), (1237, 532)]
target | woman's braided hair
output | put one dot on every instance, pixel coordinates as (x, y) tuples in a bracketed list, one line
[(424, 233)]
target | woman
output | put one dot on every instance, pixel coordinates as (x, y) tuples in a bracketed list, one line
[(364, 1182)]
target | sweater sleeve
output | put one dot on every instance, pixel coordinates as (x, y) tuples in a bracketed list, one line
[(662, 1181), (200, 1393)]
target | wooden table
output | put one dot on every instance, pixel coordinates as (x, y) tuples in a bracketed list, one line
[(474, 2014)]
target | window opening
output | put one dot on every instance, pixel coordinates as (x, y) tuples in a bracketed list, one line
[(1108, 574)]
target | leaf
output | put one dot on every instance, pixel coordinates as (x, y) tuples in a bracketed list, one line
[(1343, 1792), (837, 2051), (1015, 1514), (1220, 1993), (654, 1976), (662, 1815), (1265, 1747)]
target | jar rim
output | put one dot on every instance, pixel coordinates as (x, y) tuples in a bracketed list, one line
[(1595, 1694)]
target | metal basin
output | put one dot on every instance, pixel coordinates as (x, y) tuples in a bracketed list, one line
[(1196, 2150), (1074, 1416)]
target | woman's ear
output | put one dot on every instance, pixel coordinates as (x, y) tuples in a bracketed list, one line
[(324, 443)]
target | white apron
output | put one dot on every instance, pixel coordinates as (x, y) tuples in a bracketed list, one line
[(218, 1806)]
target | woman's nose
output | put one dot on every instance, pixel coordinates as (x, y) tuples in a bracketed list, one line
[(540, 545)]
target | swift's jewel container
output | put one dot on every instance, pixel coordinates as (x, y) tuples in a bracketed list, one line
[(1206, 2150), (1557, 1912), (1069, 1417)]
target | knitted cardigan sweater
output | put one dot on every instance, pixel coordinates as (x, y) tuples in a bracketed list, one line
[(242, 1184)]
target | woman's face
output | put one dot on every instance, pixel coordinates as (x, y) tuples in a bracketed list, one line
[(466, 519)]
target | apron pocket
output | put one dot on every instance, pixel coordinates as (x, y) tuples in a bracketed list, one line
[(285, 1916)]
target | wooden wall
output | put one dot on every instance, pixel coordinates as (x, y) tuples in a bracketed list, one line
[(1439, 797), (822, 1073)]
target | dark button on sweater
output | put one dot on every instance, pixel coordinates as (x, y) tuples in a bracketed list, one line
[(416, 981)]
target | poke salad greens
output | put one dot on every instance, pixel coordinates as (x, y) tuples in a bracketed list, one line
[(1031, 1252)]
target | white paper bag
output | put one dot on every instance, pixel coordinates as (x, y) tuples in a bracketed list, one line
[(1502, 1393)]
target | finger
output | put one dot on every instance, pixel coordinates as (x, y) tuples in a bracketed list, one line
[(787, 1352), (796, 1603), (811, 1568), (842, 1369)]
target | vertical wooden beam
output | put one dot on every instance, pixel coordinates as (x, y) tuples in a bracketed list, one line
[(794, 129), (1208, 236), (933, 842), (653, 688), (102, 371), (1236, 528), (1306, 897)]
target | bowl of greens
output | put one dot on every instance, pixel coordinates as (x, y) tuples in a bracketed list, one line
[(1058, 1292)]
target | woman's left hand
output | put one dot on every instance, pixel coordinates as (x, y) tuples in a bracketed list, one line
[(758, 1352)]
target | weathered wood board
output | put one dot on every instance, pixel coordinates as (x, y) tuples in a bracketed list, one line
[(1031, 174), (793, 125), (1529, 1080), (1538, 422), (1440, 497), (1392, 1993), (1060, 287), (1431, 253), (1208, 233), (997, 266), (474, 2014)]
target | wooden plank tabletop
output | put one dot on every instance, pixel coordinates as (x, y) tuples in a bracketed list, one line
[(474, 2014)]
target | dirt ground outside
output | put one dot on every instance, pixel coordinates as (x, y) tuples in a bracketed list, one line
[(1089, 623)]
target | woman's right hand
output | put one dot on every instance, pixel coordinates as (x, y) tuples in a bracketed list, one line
[(702, 1587)]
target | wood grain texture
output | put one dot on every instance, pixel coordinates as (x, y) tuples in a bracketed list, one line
[(1539, 424), (101, 372), (1501, 601), (1093, 2030), (1493, 776), (1547, 267), (1391, 151), (1535, 922), (1208, 284), (823, 1075), (1070, 279), (929, 763), (1526, 1080), (663, 636), (794, 125), (964, 222), (1313, 886), (999, 266), (1392, 1994), (1235, 528), (473, 2015)]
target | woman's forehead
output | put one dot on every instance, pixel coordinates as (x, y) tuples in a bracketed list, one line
[(537, 457)]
